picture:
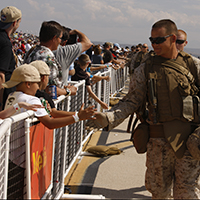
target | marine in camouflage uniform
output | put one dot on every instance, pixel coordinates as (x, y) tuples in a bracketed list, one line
[(171, 170), (137, 58)]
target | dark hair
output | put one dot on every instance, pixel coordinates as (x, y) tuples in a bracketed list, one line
[(107, 56), (65, 34), (48, 30), (168, 24), (97, 50), (83, 59), (72, 38)]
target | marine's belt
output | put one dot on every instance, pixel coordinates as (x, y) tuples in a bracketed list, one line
[(156, 131)]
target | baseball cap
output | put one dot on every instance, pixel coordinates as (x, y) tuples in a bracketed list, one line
[(23, 73), (41, 66), (117, 45), (107, 44), (9, 14)]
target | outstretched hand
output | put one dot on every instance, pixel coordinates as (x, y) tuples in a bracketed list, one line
[(28, 106), (100, 121), (72, 88), (87, 113), (104, 105)]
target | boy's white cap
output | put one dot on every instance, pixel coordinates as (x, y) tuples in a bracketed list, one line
[(41, 66), (23, 73)]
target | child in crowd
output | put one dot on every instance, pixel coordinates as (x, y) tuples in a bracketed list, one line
[(26, 78), (96, 78), (44, 71), (81, 74)]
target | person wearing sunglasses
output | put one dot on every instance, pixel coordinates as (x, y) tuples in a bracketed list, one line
[(181, 40), (159, 83)]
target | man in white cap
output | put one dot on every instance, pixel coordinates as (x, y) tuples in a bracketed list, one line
[(10, 20)]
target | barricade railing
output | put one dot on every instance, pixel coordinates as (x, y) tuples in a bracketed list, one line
[(21, 163), (118, 78), (4, 155)]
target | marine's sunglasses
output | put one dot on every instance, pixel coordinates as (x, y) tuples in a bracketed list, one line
[(159, 40), (180, 41)]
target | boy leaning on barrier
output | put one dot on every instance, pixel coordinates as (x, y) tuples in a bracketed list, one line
[(81, 74), (44, 71), (26, 78)]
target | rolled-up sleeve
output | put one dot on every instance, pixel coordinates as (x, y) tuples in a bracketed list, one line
[(131, 102)]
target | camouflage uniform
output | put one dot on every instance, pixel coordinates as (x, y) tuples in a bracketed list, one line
[(45, 54), (164, 169), (161, 171)]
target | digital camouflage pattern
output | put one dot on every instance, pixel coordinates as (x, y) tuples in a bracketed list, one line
[(163, 167), (193, 144), (161, 160)]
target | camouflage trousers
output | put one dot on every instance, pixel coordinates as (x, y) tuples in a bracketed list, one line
[(168, 176)]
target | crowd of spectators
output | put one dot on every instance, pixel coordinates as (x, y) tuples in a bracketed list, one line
[(102, 54), (60, 48), (22, 43)]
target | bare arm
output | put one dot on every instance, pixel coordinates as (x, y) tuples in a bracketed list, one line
[(91, 93), (98, 68), (84, 40), (60, 113), (2, 80), (62, 91), (11, 110), (95, 78), (52, 123), (72, 72)]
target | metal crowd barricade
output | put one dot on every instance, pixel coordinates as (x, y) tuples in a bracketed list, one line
[(118, 78), (17, 175), (67, 141), (4, 154), (105, 87)]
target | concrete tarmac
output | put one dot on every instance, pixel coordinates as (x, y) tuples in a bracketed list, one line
[(119, 176)]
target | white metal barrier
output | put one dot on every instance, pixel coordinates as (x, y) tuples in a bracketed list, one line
[(16, 143)]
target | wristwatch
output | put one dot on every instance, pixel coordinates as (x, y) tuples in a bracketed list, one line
[(68, 91)]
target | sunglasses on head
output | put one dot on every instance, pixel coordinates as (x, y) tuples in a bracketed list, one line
[(159, 40), (180, 41)]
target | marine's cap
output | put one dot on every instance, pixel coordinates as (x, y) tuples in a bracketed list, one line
[(9, 14), (23, 73), (41, 66)]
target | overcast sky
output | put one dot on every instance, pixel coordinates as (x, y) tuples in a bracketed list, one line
[(122, 21)]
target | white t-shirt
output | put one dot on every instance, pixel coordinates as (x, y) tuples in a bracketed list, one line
[(28, 47), (17, 140), (16, 97)]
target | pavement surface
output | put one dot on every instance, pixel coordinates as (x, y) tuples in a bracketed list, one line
[(115, 177)]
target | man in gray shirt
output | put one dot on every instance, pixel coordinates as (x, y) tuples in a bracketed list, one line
[(67, 54)]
